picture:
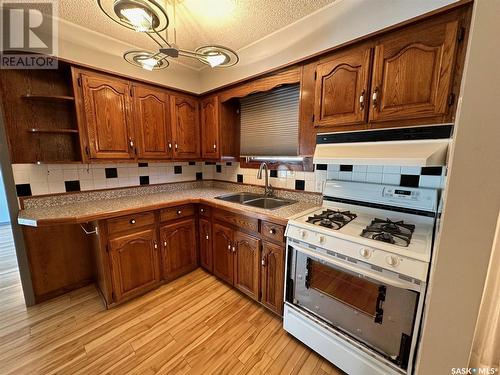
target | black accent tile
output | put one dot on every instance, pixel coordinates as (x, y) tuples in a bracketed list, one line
[(239, 178), (300, 184), (228, 163), (273, 173), (321, 167), (111, 172), (72, 185), (144, 180), (199, 175), (23, 190), (218, 168), (409, 180), (141, 165), (178, 169), (432, 171), (345, 168), (192, 163), (210, 163)]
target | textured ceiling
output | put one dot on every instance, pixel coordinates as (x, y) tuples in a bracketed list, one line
[(232, 23)]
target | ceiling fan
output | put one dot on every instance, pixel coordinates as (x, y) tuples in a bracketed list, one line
[(150, 17)]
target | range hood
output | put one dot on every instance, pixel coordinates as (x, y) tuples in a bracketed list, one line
[(415, 146)]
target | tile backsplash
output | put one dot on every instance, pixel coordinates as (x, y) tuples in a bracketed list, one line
[(33, 179)]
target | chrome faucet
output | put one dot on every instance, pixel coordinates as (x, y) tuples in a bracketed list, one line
[(268, 188)]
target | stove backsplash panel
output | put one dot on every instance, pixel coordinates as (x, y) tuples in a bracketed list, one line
[(34, 179)]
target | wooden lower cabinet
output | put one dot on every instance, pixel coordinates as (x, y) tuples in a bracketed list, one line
[(205, 238), (246, 264), (134, 263), (272, 276), (178, 248), (222, 252)]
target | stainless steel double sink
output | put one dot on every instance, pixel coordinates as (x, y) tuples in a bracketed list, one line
[(256, 200)]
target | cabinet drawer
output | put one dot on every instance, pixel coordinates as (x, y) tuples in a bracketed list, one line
[(176, 212), (240, 221), (273, 232), (204, 211), (123, 223)]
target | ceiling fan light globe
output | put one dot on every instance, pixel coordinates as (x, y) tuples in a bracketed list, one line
[(139, 18), (215, 59)]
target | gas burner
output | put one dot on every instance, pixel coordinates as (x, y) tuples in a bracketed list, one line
[(393, 232), (333, 219)]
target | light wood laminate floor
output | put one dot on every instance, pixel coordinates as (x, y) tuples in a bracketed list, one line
[(194, 325)]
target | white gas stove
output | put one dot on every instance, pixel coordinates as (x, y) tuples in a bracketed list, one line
[(357, 271)]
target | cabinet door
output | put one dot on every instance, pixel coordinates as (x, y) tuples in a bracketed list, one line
[(179, 248), (185, 127), (152, 123), (222, 252), (107, 113), (210, 128), (134, 263), (205, 232), (412, 72), (272, 275), (342, 89), (246, 264)]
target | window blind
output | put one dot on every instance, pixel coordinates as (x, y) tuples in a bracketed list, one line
[(270, 123)]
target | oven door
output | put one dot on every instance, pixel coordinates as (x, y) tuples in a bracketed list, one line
[(377, 309)]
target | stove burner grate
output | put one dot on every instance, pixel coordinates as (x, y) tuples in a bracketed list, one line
[(333, 219), (393, 232)]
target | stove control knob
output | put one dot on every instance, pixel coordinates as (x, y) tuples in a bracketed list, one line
[(392, 261), (303, 233), (322, 239), (365, 253)]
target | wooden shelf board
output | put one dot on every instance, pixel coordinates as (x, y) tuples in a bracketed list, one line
[(55, 131), (60, 98)]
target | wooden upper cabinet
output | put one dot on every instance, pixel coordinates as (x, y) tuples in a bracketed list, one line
[(341, 91), (210, 146), (272, 275), (222, 252), (134, 263), (152, 123), (178, 248), (106, 103), (412, 72), (185, 127), (246, 264)]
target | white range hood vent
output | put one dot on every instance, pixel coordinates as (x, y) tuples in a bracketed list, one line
[(416, 146)]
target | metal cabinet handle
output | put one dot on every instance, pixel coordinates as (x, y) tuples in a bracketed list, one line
[(176, 147), (362, 100), (202, 210), (179, 212), (234, 249), (229, 247), (156, 245), (375, 97), (132, 221), (272, 231), (206, 237), (169, 145), (215, 146), (263, 261), (131, 142)]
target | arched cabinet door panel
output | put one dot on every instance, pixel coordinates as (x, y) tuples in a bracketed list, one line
[(246, 264), (412, 73), (185, 127), (341, 93), (222, 252), (107, 117), (152, 123), (134, 263), (178, 248), (210, 144), (272, 274)]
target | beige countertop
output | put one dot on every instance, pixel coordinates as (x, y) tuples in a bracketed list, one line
[(90, 206)]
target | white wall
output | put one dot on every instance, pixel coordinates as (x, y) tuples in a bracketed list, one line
[(472, 204)]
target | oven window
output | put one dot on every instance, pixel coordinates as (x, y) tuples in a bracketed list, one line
[(351, 290)]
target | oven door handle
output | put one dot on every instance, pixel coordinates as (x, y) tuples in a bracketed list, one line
[(378, 277)]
